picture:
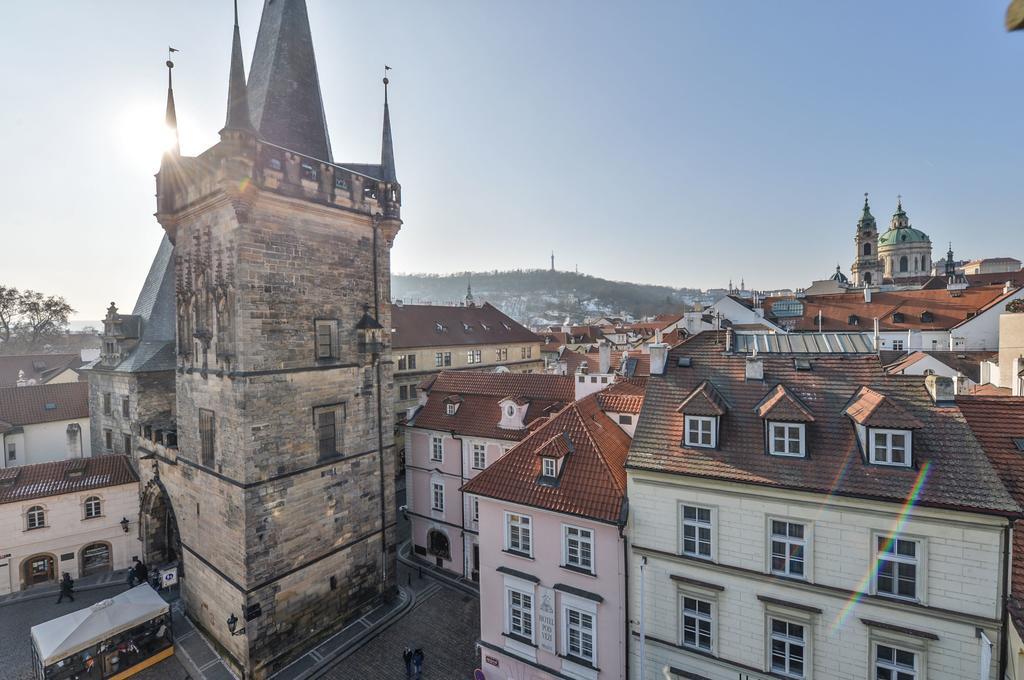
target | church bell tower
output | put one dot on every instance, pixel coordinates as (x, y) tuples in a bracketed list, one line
[(866, 268), (282, 480)]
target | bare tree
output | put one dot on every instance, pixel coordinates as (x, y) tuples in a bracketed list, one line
[(10, 301), (41, 317)]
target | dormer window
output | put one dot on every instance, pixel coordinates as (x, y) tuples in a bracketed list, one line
[(927, 317), (549, 467), (700, 431), (897, 317), (510, 410), (853, 320), (890, 447), (787, 439), (450, 409)]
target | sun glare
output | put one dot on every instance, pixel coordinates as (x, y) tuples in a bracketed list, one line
[(142, 134)]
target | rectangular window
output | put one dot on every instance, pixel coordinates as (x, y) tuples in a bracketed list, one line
[(450, 409), (412, 391), (700, 431), (108, 440), (403, 392), (12, 451), (125, 407), (549, 468), (520, 614), (518, 534), (447, 358), (473, 356), (625, 419), (893, 663), (787, 647), (897, 345), (436, 449), (439, 359), (401, 363), (696, 624), (479, 456), (106, 403), (579, 548), (501, 354), (526, 352), (207, 437), (326, 433), (126, 440), (437, 496), (788, 546), (696, 531), (326, 331), (897, 567), (890, 447), (410, 361), (475, 504), (579, 634), (786, 439)]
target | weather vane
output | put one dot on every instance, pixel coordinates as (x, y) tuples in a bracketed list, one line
[(170, 51)]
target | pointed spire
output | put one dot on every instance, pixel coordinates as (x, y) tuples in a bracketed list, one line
[(171, 115), (284, 88), (866, 218), (238, 100), (387, 149), (469, 291)]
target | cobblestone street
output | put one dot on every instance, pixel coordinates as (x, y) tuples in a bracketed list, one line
[(445, 624)]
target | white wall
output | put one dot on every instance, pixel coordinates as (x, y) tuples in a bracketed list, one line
[(47, 442)]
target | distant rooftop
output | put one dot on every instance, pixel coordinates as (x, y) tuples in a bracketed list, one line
[(804, 343)]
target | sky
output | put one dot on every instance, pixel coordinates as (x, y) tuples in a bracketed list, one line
[(682, 143)]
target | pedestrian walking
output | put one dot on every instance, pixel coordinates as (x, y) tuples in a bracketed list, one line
[(67, 587), (407, 658), (132, 572), (141, 572), (417, 662)]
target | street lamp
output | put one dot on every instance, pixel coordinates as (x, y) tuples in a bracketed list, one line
[(124, 524), (232, 622)]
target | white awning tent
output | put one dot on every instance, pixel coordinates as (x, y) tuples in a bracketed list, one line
[(61, 637)]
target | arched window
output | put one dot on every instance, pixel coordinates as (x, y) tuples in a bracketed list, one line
[(35, 518), (93, 507), (867, 248), (867, 278), (904, 264)]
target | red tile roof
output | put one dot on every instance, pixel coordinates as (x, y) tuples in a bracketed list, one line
[(437, 326), (65, 476), (704, 400), (781, 404), (638, 362), (997, 422), (966, 362), (479, 413), (38, 367), (960, 475), (946, 311), (625, 396), (591, 481), (872, 409), (44, 403)]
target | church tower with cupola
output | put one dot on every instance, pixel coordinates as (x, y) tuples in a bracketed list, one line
[(904, 252), (866, 269), (280, 480)]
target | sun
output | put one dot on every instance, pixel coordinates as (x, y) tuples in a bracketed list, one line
[(143, 136)]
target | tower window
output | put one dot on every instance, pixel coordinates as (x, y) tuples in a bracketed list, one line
[(326, 339), (867, 248), (867, 278), (904, 264), (207, 434)]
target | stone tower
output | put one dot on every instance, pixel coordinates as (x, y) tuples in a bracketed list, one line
[(280, 483), (866, 269), (904, 251)]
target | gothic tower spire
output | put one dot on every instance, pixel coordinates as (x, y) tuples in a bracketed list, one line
[(387, 149), (284, 88), (170, 115), (238, 117)]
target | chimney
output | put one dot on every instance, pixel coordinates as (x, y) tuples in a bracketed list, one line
[(960, 383), (21, 382), (876, 334), (1007, 287), (940, 389), (582, 367), (728, 339), (867, 295), (659, 358), (604, 352), (754, 369)]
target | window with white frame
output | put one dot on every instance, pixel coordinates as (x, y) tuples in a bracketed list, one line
[(897, 570), (696, 530), (697, 623), (520, 613), (788, 545), (473, 356), (518, 534), (549, 467), (474, 504), (897, 345), (450, 408), (436, 449), (700, 431), (890, 447), (437, 496), (93, 507), (578, 547), (35, 517), (580, 634), (893, 663), (787, 647), (479, 456), (786, 439), (438, 359)]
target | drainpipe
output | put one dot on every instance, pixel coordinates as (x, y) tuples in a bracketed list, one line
[(643, 630), (462, 499), (1003, 637), (623, 516)]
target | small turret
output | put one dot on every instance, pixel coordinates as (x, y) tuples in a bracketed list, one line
[(387, 148), (238, 118)]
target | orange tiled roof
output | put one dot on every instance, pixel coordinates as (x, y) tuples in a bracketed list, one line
[(872, 409), (65, 476), (625, 396), (704, 400), (960, 474), (591, 481), (638, 362), (781, 404), (44, 403)]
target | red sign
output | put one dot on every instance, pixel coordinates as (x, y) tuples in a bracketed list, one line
[(491, 660)]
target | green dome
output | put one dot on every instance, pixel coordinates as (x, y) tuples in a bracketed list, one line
[(902, 235)]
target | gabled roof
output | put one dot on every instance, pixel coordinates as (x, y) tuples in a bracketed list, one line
[(782, 405), (65, 476), (38, 367), (439, 326), (959, 473), (704, 400), (966, 362), (591, 481), (480, 395), (873, 409), (284, 88), (44, 403), (558, 446), (625, 396)]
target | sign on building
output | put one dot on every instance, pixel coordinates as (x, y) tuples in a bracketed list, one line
[(546, 619)]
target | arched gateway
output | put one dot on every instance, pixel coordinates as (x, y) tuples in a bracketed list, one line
[(158, 526)]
